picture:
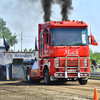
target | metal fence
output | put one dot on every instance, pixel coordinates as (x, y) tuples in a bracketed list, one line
[(95, 74)]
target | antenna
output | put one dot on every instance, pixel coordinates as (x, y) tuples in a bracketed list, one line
[(90, 29), (21, 40), (90, 33), (90, 42), (14, 44)]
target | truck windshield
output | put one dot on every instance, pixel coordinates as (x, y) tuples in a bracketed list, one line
[(68, 37)]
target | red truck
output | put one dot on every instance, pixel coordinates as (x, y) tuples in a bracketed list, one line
[(63, 52)]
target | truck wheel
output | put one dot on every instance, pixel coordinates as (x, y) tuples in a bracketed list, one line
[(3, 76), (46, 77), (28, 78), (82, 82)]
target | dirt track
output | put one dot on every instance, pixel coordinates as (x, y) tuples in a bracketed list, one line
[(20, 90)]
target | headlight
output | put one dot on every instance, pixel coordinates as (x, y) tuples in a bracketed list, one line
[(56, 65), (85, 61), (85, 65), (85, 74), (61, 74), (81, 74), (56, 62), (56, 74)]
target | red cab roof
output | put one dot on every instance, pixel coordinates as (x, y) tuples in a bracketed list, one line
[(64, 23)]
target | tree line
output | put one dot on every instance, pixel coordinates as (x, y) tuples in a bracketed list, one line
[(6, 33), (30, 50)]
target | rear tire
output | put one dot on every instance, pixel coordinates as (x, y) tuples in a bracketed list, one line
[(46, 77), (82, 82), (3, 76)]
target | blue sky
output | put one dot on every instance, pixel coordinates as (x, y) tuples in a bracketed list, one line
[(24, 16)]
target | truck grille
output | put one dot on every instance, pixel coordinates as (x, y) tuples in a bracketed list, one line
[(70, 63)]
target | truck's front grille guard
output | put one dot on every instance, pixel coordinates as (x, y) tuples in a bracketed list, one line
[(74, 56)]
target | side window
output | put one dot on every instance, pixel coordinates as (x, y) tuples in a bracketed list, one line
[(84, 36), (41, 40), (46, 31)]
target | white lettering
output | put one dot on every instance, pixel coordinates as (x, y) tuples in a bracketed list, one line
[(70, 52), (23, 56)]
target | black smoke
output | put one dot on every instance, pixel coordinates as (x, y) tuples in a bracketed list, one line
[(26, 6), (66, 6), (46, 5)]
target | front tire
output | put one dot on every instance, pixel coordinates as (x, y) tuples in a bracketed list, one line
[(46, 77), (82, 82)]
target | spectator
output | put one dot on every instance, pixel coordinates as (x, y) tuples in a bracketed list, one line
[(92, 67), (95, 64)]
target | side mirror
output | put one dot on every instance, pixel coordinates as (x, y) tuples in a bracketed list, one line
[(92, 40)]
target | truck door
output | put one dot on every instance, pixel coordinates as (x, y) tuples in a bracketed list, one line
[(41, 43), (46, 42)]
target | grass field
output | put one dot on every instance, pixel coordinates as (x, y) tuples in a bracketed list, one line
[(97, 70), (92, 77), (97, 78)]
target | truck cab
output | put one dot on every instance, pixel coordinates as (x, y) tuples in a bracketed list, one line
[(63, 48)]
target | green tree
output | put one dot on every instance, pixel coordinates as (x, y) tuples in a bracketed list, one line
[(6, 33), (25, 50), (34, 50), (30, 50)]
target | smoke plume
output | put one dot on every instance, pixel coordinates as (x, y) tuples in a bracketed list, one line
[(66, 6), (46, 5)]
